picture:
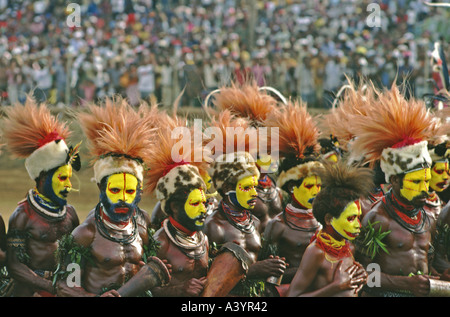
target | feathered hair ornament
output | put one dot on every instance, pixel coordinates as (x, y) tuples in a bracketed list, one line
[(341, 184), (395, 133), (355, 101), (177, 162), (233, 148), (244, 100), (34, 134), (119, 137), (298, 142)]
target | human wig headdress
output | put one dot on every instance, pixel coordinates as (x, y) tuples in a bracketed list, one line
[(176, 163), (342, 184), (439, 146), (233, 149), (34, 134), (298, 142), (395, 133), (119, 137)]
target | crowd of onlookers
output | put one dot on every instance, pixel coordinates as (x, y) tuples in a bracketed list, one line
[(154, 49)]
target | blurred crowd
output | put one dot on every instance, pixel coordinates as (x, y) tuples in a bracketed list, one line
[(145, 49)]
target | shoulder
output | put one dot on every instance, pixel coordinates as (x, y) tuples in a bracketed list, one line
[(19, 217), (84, 234)]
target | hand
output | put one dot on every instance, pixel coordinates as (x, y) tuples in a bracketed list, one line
[(349, 279), (194, 287), (360, 276), (111, 293), (273, 266), (419, 285)]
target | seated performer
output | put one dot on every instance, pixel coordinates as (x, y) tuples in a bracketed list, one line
[(44, 216), (250, 102), (289, 233), (235, 177), (398, 231), (112, 245), (328, 267), (181, 192)]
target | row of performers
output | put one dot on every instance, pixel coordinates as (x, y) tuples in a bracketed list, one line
[(235, 224)]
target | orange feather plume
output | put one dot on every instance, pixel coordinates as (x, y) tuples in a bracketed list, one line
[(339, 121), (27, 127), (174, 146), (391, 121), (233, 134), (298, 132), (244, 100), (116, 128)]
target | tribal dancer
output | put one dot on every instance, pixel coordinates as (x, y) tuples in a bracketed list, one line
[(44, 216), (181, 191), (338, 123), (113, 242), (289, 233), (252, 103), (235, 176), (328, 267), (398, 231)]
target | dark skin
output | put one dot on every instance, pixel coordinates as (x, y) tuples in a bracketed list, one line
[(40, 246), (220, 231), (114, 263), (291, 243), (441, 260), (188, 275), (2, 242), (408, 252), (319, 276), (272, 205)]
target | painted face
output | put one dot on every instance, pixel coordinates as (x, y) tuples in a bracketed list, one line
[(267, 165), (61, 184), (439, 176), (416, 185), (195, 207), (121, 196), (207, 179), (121, 187), (246, 192), (348, 224), (332, 157), (307, 191)]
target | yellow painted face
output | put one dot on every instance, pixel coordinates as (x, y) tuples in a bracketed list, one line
[(195, 206), (267, 165), (246, 192), (122, 187), (308, 190), (207, 179), (61, 181), (332, 158), (415, 184), (348, 224), (439, 176)]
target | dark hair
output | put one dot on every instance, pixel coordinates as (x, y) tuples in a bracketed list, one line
[(341, 184)]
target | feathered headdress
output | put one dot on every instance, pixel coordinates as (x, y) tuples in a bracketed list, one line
[(34, 134), (355, 101), (341, 184), (177, 162), (119, 138), (298, 142), (395, 133), (233, 149), (244, 100)]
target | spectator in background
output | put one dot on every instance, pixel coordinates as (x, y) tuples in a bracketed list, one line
[(146, 77)]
